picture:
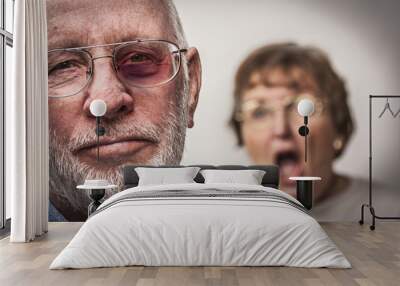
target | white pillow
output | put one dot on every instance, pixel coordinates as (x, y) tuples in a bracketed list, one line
[(162, 176), (248, 177)]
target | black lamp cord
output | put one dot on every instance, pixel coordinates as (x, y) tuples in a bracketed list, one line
[(98, 137), (305, 137), (305, 141)]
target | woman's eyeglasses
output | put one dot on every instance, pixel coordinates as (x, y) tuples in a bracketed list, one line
[(139, 63), (260, 115)]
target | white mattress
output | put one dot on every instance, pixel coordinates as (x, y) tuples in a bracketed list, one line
[(189, 230)]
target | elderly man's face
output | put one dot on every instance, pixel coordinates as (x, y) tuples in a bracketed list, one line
[(143, 125)]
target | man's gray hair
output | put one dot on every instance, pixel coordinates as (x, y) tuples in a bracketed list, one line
[(176, 23), (177, 27)]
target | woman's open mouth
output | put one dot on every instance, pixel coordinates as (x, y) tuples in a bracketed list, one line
[(290, 165)]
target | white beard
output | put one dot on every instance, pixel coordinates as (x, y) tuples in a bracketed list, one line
[(66, 171)]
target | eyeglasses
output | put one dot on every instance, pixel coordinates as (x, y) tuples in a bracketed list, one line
[(139, 63), (260, 115)]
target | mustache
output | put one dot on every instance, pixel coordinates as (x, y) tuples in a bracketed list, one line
[(115, 132)]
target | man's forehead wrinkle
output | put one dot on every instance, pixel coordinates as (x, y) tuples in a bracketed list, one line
[(73, 5), (106, 24), (154, 8)]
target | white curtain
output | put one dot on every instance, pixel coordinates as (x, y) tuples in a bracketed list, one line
[(27, 145)]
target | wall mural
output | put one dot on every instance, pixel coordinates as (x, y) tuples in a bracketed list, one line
[(135, 57)]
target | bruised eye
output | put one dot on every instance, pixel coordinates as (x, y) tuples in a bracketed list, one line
[(138, 58)]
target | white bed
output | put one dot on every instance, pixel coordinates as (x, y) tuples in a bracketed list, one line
[(223, 225)]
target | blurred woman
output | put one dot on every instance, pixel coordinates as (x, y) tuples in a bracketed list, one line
[(269, 83)]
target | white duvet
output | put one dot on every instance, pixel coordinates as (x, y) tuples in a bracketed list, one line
[(183, 231)]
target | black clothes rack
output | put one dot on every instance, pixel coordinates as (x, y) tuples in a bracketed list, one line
[(369, 205)]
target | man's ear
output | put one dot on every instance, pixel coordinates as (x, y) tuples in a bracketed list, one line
[(194, 69)]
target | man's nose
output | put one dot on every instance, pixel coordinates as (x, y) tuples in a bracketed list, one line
[(105, 85), (281, 125)]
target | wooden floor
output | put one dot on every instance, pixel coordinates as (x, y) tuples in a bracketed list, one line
[(374, 255)]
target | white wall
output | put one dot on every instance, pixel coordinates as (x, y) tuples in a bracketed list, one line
[(362, 37)]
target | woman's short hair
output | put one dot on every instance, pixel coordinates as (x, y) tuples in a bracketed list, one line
[(315, 64)]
